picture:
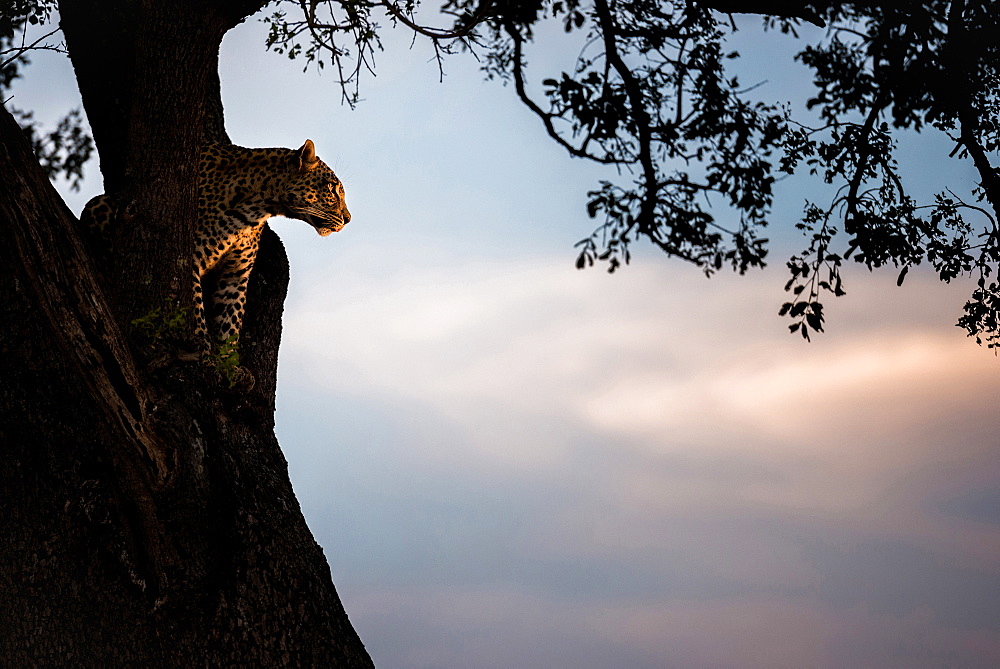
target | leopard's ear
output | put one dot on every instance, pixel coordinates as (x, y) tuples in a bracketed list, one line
[(307, 156)]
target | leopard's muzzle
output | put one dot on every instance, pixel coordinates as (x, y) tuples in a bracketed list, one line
[(324, 223)]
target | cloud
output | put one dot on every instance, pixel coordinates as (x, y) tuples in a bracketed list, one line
[(651, 448), (504, 628)]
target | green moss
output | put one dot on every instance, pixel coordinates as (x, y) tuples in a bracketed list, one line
[(161, 322)]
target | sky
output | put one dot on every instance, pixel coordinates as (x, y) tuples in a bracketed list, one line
[(512, 463)]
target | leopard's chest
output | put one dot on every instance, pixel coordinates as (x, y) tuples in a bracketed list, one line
[(229, 237)]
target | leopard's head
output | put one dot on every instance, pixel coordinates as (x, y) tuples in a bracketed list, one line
[(315, 194)]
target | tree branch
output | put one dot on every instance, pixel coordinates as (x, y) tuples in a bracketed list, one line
[(789, 9), (439, 33), (19, 51), (55, 265), (518, 72), (864, 156), (968, 123), (637, 104)]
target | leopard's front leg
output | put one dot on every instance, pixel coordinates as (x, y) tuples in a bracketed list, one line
[(229, 300), (229, 306), (202, 338)]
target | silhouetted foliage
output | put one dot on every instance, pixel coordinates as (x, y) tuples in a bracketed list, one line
[(652, 94), (64, 150)]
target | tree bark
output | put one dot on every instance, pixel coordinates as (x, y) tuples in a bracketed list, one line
[(147, 515)]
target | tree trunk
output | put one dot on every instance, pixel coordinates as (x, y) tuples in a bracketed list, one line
[(147, 515), (144, 71)]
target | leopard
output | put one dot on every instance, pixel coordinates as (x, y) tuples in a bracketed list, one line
[(239, 189)]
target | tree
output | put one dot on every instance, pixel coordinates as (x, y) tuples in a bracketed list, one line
[(150, 519)]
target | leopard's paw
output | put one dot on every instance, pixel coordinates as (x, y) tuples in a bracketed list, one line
[(238, 378)]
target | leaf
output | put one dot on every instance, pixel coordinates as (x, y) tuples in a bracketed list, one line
[(902, 275)]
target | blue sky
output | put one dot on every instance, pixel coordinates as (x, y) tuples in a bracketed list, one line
[(510, 463)]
